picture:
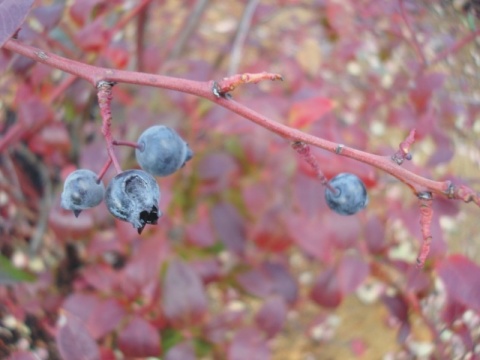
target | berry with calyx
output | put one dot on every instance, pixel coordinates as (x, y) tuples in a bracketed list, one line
[(161, 151), (82, 190), (350, 194), (133, 196)]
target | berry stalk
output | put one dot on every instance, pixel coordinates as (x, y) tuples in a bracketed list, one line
[(304, 151), (104, 95), (426, 214)]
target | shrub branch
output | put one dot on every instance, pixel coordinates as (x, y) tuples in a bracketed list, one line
[(95, 75)]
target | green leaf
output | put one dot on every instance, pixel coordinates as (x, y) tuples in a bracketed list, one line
[(9, 274)]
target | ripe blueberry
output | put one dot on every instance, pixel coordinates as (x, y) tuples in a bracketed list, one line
[(81, 190), (133, 196), (162, 151), (350, 196)]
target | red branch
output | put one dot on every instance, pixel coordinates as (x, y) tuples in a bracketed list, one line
[(426, 214), (230, 83), (205, 90), (465, 194), (104, 95), (455, 47), (403, 152)]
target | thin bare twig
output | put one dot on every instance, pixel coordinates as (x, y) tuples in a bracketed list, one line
[(415, 43), (191, 23), (241, 35)]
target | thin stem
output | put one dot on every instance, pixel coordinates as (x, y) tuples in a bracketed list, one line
[(455, 47), (242, 32), (126, 143), (415, 43), (304, 151), (140, 38), (131, 14), (191, 23), (102, 172), (426, 214), (104, 95)]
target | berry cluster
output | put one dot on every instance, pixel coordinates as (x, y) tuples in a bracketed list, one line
[(132, 195)]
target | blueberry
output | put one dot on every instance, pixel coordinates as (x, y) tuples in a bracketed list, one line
[(350, 197), (133, 196), (162, 151), (81, 191)]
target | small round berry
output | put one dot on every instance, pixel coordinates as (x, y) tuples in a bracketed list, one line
[(81, 191), (133, 196), (350, 196), (161, 151)]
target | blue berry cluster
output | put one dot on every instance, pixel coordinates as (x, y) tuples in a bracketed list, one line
[(132, 195), (350, 195)]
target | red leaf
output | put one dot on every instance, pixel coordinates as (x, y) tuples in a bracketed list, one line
[(255, 282), (352, 271), (208, 269), (118, 56), (250, 344), (101, 277), (105, 317), (452, 311), (200, 233), (375, 235), (306, 236), (216, 166), (326, 290), (444, 149), (305, 112), (80, 305), (184, 299), (343, 231), (107, 354), (218, 327), (49, 16), (144, 267), (283, 283), (271, 316), (271, 233), (462, 280), (139, 339), (12, 15), (420, 96), (80, 11), (73, 340), (182, 351), (67, 226), (94, 36), (33, 111), (397, 306), (229, 227)]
